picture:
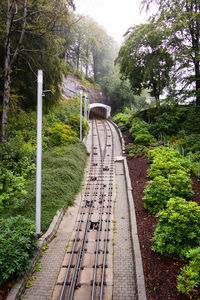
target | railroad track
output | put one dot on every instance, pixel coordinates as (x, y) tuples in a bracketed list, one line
[(87, 271)]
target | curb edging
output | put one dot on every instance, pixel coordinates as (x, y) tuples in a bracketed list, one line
[(20, 285)]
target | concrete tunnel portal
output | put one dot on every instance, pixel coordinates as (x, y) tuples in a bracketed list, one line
[(99, 110)]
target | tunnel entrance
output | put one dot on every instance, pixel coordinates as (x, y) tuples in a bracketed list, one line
[(99, 110)]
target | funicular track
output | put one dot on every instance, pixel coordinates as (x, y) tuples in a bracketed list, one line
[(87, 268)]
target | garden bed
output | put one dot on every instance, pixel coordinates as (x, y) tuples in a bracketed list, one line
[(160, 272)]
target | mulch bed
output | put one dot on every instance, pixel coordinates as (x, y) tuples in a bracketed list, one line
[(160, 272)]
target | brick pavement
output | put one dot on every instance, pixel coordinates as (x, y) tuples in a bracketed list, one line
[(124, 276), (45, 279)]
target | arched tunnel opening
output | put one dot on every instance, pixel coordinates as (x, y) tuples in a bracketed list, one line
[(98, 112)]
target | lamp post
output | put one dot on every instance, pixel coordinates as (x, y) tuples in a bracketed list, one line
[(39, 151), (85, 107), (81, 115)]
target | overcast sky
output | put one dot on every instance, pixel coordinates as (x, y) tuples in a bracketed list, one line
[(116, 16)]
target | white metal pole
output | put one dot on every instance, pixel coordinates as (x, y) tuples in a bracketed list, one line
[(39, 151), (81, 115), (85, 107)]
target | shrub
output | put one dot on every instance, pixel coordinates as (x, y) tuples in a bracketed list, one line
[(163, 168), (136, 151), (157, 193), (122, 120), (189, 277), (18, 244), (16, 162), (144, 139), (140, 132), (181, 184), (166, 161), (178, 229), (62, 134), (163, 153)]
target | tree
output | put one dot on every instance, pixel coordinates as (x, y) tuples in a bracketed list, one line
[(145, 61), (25, 20), (181, 19), (90, 49), (117, 91)]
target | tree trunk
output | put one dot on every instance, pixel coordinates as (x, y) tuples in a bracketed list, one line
[(87, 60), (6, 92), (8, 64), (197, 76)]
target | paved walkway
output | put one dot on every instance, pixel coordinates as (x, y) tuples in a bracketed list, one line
[(124, 287), (124, 278), (43, 285)]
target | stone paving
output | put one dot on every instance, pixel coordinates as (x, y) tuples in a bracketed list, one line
[(124, 277), (43, 285)]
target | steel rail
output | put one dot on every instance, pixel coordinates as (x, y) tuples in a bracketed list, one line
[(63, 292), (107, 224), (99, 229), (80, 256), (99, 232)]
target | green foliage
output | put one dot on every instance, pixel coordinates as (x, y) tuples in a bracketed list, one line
[(136, 150), (157, 193), (178, 20), (140, 132), (171, 178), (178, 228), (166, 161), (62, 173), (181, 184), (18, 243), (62, 134), (144, 60), (122, 120), (16, 163), (167, 123), (189, 277), (144, 139)]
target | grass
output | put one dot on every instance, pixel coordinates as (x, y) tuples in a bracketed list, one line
[(62, 175)]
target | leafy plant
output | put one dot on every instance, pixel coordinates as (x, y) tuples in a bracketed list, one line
[(136, 150), (122, 120), (157, 193), (181, 184), (18, 244), (140, 132), (178, 229), (189, 277), (166, 161), (62, 134), (144, 139)]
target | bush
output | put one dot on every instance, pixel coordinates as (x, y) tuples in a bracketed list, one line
[(136, 151), (122, 120), (62, 134), (181, 184), (16, 163), (157, 193), (189, 277), (166, 161), (163, 152), (18, 243), (140, 132), (178, 229), (144, 139)]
